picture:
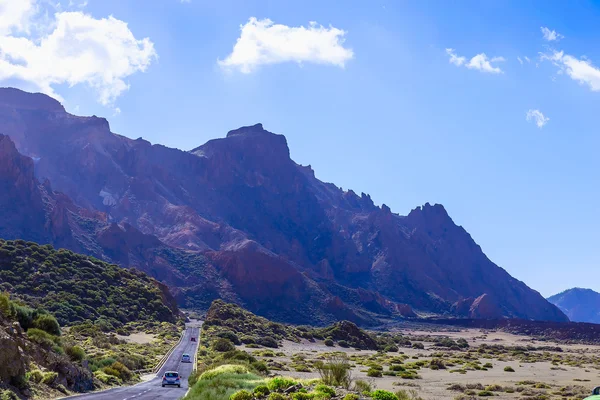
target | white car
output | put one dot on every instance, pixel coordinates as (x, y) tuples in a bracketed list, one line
[(186, 358)]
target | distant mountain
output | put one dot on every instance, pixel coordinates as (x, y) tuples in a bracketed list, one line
[(580, 305), (238, 219)]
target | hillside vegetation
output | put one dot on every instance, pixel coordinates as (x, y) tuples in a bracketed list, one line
[(34, 358), (238, 325), (76, 288)]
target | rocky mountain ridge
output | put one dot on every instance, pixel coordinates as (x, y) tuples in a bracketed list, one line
[(580, 305), (238, 219)]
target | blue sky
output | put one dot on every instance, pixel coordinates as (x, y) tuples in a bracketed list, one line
[(398, 121)]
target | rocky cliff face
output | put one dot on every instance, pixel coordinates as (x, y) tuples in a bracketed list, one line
[(580, 305), (237, 219)]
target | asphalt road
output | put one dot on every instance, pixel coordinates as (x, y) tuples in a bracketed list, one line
[(153, 389)]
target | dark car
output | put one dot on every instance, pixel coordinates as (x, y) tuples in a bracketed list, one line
[(193, 339), (171, 378)]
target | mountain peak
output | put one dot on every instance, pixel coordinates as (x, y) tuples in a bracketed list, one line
[(248, 130), (580, 305), (16, 98)]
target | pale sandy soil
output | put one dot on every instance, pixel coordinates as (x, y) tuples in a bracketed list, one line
[(138, 338), (434, 383)]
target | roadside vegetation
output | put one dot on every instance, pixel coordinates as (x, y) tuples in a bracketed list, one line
[(75, 314)]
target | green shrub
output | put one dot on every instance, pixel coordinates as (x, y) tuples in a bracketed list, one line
[(232, 337), (75, 353), (280, 383), (437, 363), (351, 396), (488, 366), (509, 369), (49, 377), (276, 396), (329, 342), (362, 386), (397, 368), (374, 373), (8, 395), (392, 348), (123, 372), (241, 395), (485, 393), (328, 391), (383, 395), (42, 338), (224, 369), (335, 370), (261, 391), (107, 379), (6, 307), (268, 341), (260, 366), (410, 395), (343, 343), (222, 345), (36, 376), (302, 396), (48, 323), (418, 345), (193, 378)]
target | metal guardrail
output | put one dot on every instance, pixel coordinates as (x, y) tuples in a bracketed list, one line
[(166, 356)]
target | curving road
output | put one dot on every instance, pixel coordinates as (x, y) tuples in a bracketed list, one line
[(152, 389)]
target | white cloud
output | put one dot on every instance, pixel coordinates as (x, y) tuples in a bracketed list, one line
[(74, 49), (15, 15), (527, 59), (538, 117), (580, 70), (454, 59), (479, 62), (520, 61), (550, 35), (263, 42)]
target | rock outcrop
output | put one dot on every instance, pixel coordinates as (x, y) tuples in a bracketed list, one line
[(238, 219)]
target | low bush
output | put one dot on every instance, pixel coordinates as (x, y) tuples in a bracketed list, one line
[(383, 395), (222, 345), (268, 341), (75, 353), (48, 323), (241, 395), (223, 381), (328, 391), (485, 393), (280, 383), (374, 373), (351, 396), (392, 348), (261, 391), (42, 338), (276, 396), (303, 396), (509, 369), (36, 376), (8, 395), (362, 386), (329, 342), (343, 343), (335, 371), (49, 377)]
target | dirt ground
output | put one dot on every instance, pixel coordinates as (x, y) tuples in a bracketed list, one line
[(561, 377), (138, 338)]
